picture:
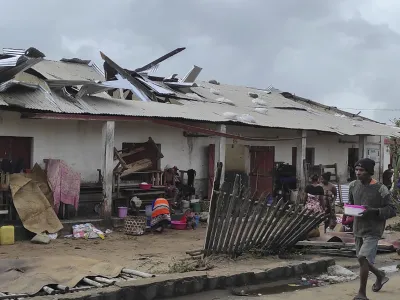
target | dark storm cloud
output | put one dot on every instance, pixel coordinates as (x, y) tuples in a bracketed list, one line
[(325, 50)]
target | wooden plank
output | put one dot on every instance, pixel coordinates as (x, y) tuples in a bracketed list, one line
[(295, 221), (134, 151), (264, 217), (136, 166), (213, 212), (325, 244), (221, 221), (228, 222), (244, 224), (238, 219), (280, 234), (267, 228), (277, 227), (119, 158), (211, 169), (304, 214), (309, 223), (255, 227), (251, 226)]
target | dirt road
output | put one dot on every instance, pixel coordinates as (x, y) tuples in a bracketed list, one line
[(343, 291)]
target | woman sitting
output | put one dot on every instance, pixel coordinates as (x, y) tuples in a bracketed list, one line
[(314, 201), (160, 216)]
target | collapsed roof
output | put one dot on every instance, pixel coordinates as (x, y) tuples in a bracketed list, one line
[(75, 86)]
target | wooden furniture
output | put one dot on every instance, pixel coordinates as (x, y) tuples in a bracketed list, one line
[(6, 205), (321, 169), (153, 177), (146, 196)]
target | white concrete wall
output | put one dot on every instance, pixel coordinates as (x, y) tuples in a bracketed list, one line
[(76, 142), (79, 144), (329, 148)]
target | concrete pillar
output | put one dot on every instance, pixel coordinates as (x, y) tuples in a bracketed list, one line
[(220, 150), (107, 167), (301, 158), (362, 146), (382, 166)]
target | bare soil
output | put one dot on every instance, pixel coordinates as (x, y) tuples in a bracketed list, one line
[(150, 252), (156, 253)]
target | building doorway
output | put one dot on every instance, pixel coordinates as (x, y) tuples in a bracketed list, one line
[(262, 161), (17, 151), (352, 158)]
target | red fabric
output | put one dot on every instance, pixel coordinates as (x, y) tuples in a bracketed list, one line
[(64, 182), (347, 220)]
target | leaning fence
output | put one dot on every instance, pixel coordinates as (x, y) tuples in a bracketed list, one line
[(240, 223)]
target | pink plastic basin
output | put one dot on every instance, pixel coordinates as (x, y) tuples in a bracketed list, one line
[(178, 225), (353, 210), (145, 187)]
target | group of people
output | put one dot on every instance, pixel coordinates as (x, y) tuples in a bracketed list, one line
[(368, 227), (321, 196)]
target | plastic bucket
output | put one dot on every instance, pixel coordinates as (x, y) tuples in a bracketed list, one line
[(196, 207), (122, 211), (185, 204), (149, 210)]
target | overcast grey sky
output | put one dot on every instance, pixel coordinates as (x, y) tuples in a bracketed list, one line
[(344, 53)]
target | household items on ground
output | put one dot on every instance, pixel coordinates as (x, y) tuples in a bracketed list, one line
[(86, 231)]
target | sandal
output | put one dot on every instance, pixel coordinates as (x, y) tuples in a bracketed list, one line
[(376, 289)]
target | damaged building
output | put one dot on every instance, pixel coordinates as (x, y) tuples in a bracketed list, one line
[(72, 110)]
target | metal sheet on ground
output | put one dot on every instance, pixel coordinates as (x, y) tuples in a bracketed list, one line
[(29, 275)]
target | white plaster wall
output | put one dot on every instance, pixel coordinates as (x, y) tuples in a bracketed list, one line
[(79, 143), (329, 148), (76, 142)]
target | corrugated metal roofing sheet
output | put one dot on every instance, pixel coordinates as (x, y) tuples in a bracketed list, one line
[(3, 103), (282, 112), (68, 71)]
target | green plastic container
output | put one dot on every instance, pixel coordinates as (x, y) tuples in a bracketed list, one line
[(196, 207)]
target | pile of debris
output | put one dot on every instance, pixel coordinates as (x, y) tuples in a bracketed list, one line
[(86, 283)]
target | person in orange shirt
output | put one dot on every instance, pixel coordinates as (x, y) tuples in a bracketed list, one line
[(160, 216)]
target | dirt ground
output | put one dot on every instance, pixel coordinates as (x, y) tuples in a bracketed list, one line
[(156, 253), (150, 252)]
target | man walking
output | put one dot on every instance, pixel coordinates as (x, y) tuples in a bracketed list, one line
[(369, 227)]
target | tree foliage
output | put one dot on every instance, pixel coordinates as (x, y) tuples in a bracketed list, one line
[(395, 151)]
